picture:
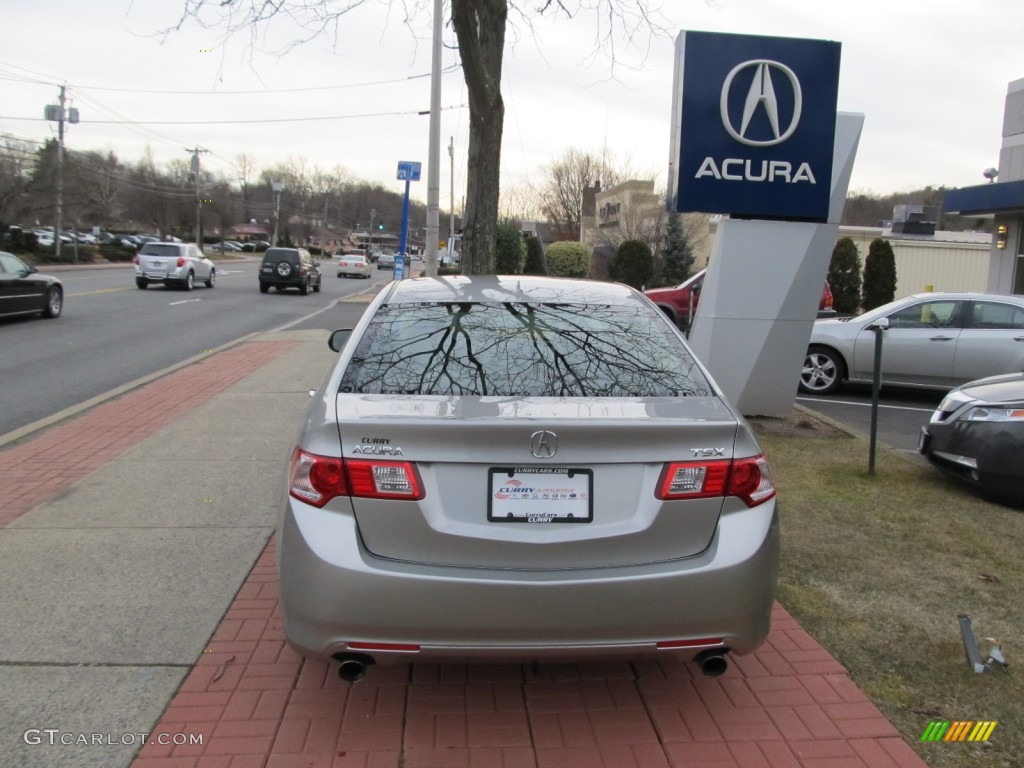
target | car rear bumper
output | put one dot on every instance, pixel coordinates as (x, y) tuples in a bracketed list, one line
[(334, 592)]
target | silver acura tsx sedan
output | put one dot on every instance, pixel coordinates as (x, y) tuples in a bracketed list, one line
[(523, 469)]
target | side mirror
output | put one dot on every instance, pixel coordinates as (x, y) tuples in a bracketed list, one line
[(338, 339), (881, 324)]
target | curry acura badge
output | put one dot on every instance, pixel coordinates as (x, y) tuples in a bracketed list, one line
[(762, 94), (543, 444)]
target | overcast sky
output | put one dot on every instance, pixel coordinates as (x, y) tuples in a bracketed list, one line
[(929, 75)]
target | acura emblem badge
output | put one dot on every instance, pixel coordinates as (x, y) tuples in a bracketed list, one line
[(761, 95), (543, 444)]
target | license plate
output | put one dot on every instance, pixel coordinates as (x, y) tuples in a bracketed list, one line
[(540, 495)]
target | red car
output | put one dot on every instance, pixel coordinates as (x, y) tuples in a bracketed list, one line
[(680, 302)]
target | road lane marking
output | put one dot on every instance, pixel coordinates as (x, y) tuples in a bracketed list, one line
[(101, 290), (866, 405), (184, 301)]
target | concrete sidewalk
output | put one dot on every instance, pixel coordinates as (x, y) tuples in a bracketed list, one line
[(141, 599)]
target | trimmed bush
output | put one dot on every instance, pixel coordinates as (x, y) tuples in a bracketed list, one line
[(568, 259), (879, 275), (534, 257), (510, 250), (633, 264), (844, 276)]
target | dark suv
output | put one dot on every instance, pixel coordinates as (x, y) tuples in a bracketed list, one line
[(289, 268)]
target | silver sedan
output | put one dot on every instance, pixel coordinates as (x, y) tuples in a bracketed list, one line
[(523, 468), (933, 340)]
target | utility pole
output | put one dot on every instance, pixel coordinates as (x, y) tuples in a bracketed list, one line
[(195, 189), (56, 113), (277, 187), (451, 200), (323, 230), (434, 148), (369, 247)]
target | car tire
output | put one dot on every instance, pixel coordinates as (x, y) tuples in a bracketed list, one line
[(304, 288), (283, 269), (264, 288), (823, 371), (213, 279), (54, 302), (141, 283), (190, 281), (316, 288)]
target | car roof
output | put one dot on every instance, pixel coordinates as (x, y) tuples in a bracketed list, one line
[(511, 288), (963, 296)]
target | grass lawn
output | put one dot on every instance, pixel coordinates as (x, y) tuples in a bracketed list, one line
[(877, 568)]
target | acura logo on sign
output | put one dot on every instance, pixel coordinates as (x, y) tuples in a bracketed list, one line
[(543, 444), (761, 96)]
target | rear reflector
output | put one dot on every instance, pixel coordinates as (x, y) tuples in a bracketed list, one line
[(749, 479), (698, 643), (403, 647)]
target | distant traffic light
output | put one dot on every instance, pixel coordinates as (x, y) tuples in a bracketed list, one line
[(381, 225)]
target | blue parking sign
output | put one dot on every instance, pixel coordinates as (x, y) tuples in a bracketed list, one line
[(409, 170)]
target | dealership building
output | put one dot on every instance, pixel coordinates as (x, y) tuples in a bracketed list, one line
[(1002, 198)]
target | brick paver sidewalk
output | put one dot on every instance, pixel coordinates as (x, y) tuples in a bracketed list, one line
[(260, 705)]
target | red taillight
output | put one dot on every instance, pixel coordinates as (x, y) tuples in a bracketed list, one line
[(317, 479), (372, 479), (182, 261), (751, 481), (693, 479), (748, 479), (826, 298)]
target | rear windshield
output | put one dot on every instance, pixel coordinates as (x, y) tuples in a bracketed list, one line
[(522, 350), (160, 249), (285, 254)]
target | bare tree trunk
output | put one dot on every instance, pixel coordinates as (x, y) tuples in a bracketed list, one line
[(480, 28)]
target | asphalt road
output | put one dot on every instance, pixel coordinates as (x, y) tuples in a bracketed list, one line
[(111, 333), (901, 413)]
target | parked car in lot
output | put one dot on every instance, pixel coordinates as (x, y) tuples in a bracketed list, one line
[(289, 268), (934, 340), (173, 264), (23, 291), (523, 468), (353, 265), (680, 302), (226, 246), (977, 434), (255, 246), (386, 261)]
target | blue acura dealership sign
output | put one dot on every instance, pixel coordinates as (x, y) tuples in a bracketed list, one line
[(753, 125)]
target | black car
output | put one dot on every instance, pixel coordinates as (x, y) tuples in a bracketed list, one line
[(24, 291), (289, 268), (977, 434)]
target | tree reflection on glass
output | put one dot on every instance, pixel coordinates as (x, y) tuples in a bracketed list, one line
[(512, 349)]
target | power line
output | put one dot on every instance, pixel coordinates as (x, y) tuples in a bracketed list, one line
[(259, 121)]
